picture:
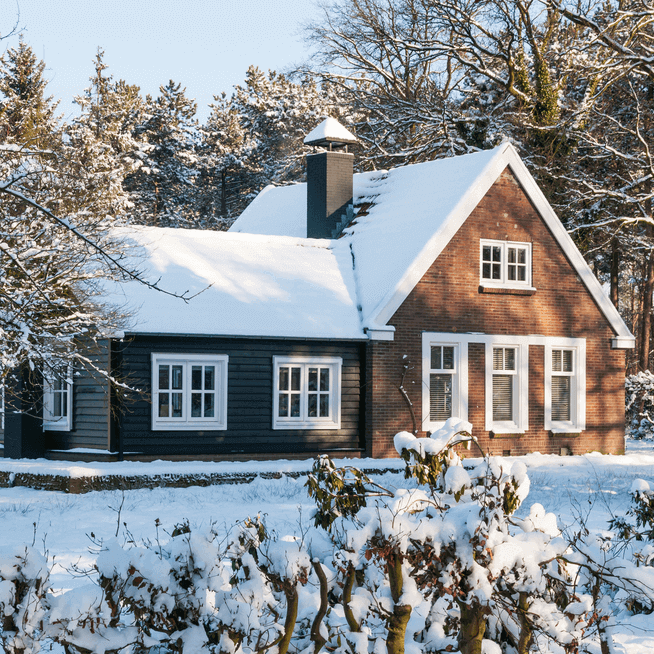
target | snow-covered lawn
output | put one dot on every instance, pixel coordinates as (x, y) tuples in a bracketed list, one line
[(593, 486)]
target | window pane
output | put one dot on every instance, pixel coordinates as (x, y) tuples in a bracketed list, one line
[(164, 406), (511, 272), (283, 406), (209, 378), (522, 274), (567, 360), (502, 397), (498, 358), (324, 379), (295, 379), (283, 379), (177, 377), (440, 397), (313, 379), (497, 253), (196, 405), (561, 398), (486, 271), (486, 253), (208, 405), (556, 360), (448, 358), (436, 360), (64, 404), (313, 405), (57, 405), (324, 406), (497, 274), (522, 256), (295, 405), (509, 358), (177, 405), (511, 257), (163, 377), (196, 378)]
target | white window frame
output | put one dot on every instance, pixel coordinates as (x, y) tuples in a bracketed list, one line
[(459, 377), (50, 421), (186, 422), (505, 282), (520, 422), (577, 422), (335, 365)]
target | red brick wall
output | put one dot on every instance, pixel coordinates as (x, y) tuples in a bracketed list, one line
[(447, 299)]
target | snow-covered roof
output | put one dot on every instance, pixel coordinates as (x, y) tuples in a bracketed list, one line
[(414, 212), (329, 131), (268, 279), (250, 285)]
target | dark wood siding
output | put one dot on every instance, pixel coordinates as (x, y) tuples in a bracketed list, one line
[(90, 407), (249, 400)]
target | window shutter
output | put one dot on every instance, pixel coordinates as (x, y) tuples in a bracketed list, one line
[(502, 397), (440, 397), (560, 398)]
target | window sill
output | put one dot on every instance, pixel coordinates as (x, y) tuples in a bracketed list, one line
[(506, 290), (565, 431), (56, 426), (188, 426), (305, 425), (506, 433)]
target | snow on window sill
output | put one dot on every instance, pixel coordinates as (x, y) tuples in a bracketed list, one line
[(560, 431), (507, 433), (503, 289)]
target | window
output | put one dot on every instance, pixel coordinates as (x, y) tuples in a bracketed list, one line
[(565, 386), (504, 263), (307, 393), (58, 400), (189, 392), (444, 379), (506, 386)]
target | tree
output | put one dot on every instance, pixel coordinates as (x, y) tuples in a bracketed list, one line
[(27, 116), (163, 189)]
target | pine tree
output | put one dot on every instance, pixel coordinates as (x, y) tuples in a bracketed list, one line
[(27, 116), (163, 189)]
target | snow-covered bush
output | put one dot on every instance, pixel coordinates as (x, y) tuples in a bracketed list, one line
[(639, 400), (24, 586)]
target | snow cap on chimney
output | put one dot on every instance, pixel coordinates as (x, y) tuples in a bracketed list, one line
[(330, 132)]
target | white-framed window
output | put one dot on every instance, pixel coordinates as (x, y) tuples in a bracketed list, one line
[(565, 385), (189, 391), (505, 264), (507, 382), (58, 399), (444, 379), (307, 392)]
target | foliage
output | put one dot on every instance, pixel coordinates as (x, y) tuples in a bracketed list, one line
[(639, 395)]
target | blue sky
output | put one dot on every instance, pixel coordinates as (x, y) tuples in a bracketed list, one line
[(206, 45)]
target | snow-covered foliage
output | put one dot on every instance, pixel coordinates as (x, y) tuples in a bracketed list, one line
[(439, 566), (639, 401)]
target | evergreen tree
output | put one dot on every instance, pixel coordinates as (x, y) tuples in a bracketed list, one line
[(27, 116), (163, 189)]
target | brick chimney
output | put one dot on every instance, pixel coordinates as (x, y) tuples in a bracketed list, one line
[(329, 180)]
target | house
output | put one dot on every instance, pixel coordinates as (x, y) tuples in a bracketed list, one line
[(336, 313)]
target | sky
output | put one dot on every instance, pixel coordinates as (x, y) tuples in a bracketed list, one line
[(206, 45)]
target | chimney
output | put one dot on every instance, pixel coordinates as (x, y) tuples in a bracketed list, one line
[(329, 180)]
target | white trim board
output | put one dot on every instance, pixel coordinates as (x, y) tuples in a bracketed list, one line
[(506, 156)]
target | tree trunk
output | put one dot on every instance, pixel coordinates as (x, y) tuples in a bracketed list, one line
[(648, 289), (318, 639), (223, 194), (399, 619), (473, 628), (290, 591), (615, 269), (347, 597), (526, 631)]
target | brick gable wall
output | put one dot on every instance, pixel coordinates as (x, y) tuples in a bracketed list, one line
[(448, 299)]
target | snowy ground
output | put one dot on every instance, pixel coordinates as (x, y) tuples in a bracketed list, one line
[(593, 486)]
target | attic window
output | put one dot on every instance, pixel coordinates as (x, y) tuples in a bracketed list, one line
[(505, 264)]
